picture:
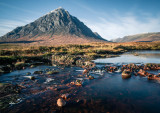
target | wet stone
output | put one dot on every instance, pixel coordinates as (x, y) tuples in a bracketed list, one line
[(65, 96), (28, 73), (52, 72), (61, 102), (38, 72)]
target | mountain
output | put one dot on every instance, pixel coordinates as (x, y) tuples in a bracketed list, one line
[(145, 37), (99, 36), (56, 27)]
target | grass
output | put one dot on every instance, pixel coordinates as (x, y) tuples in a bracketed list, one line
[(12, 53)]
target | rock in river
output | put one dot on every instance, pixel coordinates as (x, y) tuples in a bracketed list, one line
[(52, 72), (61, 102), (126, 74), (38, 72), (30, 77), (65, 96)]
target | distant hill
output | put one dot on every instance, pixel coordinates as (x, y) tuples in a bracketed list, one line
[(145, 37), (56, 27)]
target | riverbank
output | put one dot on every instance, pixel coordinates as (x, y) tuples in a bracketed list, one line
[(19, 56), (70, 55)]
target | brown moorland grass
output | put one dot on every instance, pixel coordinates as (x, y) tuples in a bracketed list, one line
[(99, 47)]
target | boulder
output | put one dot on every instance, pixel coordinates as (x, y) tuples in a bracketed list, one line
[(61, 102), (91, 77), (126, 74)]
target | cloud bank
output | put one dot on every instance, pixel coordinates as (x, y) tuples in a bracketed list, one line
[(119, 26)]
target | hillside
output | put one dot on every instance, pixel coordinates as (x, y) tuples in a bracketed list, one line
[(146, 37)]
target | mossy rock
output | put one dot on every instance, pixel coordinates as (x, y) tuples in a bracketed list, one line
[(7, 88), (32, 66), (5, 69), (38, 72), (1, 71), (28, 73), (6, 101), (47, 69), (52, 72), (20, 65), (3, 84)]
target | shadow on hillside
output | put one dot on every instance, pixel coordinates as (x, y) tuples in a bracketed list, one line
[(19, 42), (143, 41)]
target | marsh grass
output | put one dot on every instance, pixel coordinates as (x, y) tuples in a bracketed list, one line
[(12, 53)]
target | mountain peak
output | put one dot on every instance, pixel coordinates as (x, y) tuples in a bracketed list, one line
[(56, 23), (60, 9)]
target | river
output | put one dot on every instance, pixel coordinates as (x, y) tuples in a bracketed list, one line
[(130, 57), (109, 93)]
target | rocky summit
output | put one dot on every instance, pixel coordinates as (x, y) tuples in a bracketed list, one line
[(56, 27)]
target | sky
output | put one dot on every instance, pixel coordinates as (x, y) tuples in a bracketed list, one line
[(110, 18)]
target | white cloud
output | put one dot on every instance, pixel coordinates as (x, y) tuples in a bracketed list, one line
[(119, 26), (6, 25), (113, 24)]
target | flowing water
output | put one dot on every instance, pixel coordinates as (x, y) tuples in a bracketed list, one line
[(109, 93)]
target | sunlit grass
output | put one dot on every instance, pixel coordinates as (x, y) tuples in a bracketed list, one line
[(75, 49)]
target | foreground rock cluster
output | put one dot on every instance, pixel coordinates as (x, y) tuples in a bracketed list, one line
[(63, 83)]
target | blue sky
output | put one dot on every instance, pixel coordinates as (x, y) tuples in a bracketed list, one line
[(110, 18)]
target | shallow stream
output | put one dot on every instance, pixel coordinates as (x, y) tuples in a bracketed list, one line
[(107, 93)]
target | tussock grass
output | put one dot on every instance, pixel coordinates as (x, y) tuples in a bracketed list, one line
[(14, 51)]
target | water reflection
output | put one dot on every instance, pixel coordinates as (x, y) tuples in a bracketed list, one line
[(129, 57)]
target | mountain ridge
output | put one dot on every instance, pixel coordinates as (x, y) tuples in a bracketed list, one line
[(143, 37)]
